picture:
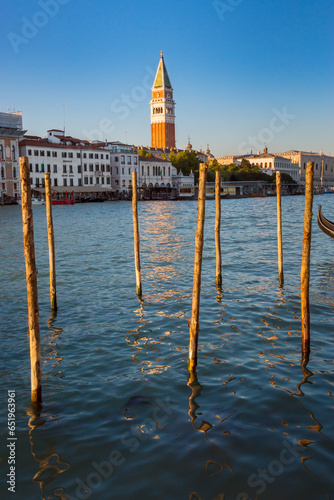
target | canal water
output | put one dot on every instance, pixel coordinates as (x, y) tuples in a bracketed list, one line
[(120, 420)]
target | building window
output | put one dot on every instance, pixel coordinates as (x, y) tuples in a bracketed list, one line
[(13, 152), (64, 169), (78, 155), (54, 154), (101, 157), (79, 169), (85, 155), (107, 157), (91, 167), (36, 152), (79, 182), (49, 169), (122, 170), (148, 170), (14, 173), (97, 180), (96, 156), (90, 155), (164, 170), (85, 167), (29, 151), (41, 153), (142, 170), (37, 182), (129, 170), (85, 180), (102, 181), (123, 160), (169, 171), (129, 160), (116, 158), (108, 180), (64, 182), (55, 182), (48, 153), (30, 167), (71, 182), (110, 170), (91, 180), (36, 167), (97, 167), (55, 169), (316, 166), (135, 160), (71, 169), (64, 155), (70, 155), (116, 170)]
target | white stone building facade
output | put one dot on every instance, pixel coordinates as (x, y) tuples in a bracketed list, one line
[(10, 134), (71, 162)]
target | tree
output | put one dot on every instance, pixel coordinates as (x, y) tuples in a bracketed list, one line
[(172, 157), (163, 156), (143, 152), (187, 161)]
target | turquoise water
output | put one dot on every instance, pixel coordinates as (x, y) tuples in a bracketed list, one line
[(120, 420)]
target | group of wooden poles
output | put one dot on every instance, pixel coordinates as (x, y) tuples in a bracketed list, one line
[(31, 269)]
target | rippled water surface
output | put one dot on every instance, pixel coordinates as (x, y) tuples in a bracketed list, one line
[(120, 420)]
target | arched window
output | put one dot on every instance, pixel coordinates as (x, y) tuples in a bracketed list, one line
[(14, 173), (13, 153), (265, 165)]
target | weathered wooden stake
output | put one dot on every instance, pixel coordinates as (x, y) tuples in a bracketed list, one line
[(217, 231), (31, 278), (279, 228), (51, 241), (194, 325), (305, 269), (136, 233)]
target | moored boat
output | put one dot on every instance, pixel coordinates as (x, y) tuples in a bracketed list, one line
[(34, 201), (325, 225)]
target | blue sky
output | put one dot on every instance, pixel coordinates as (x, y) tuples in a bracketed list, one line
[(244, 72)]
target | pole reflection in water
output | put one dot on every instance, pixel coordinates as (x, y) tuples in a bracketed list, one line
[(212, 467), (50, 352), (50, 462)]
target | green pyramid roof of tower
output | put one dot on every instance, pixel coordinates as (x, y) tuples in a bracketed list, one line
[(162, 78)]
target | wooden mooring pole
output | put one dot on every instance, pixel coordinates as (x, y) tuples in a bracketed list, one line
[(279, 228), (136, 233), (51, 241), (194, 323), (305, 269), (31, 277), (217, 231)]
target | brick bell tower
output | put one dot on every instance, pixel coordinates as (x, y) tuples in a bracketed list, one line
[(162, 109)]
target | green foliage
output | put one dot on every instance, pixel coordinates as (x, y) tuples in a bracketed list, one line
[(143, 152), (163, 156), (244, 172), (172, 157), (186, 161)]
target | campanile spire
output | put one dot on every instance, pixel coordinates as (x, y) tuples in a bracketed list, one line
[(162, 109)]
